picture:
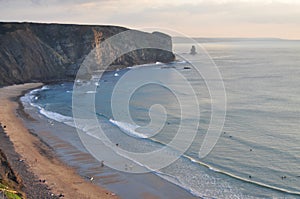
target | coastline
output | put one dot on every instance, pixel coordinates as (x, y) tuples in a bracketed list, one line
[(38, 157), (63, 166)]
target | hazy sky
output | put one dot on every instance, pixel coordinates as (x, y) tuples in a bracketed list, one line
[(201, 18)]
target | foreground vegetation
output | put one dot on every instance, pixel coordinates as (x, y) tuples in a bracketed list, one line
[(8, 192)]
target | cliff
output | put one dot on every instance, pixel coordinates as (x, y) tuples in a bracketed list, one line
[(10, 182), (32, 52)]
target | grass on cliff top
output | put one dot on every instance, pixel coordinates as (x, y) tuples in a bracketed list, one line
[(9, 193)]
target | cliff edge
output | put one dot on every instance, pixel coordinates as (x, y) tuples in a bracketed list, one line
[(31, 52)]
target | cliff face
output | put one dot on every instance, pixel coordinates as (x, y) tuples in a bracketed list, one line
[(7, 175), (48, 52)]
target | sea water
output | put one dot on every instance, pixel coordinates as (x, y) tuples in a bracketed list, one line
[(258, 152)]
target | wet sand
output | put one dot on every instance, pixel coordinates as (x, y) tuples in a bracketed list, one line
[(68, 148), (38, 157), (60, 159)]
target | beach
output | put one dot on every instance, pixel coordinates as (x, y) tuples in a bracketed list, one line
[(48, 165), (261, 129), (59, 178)]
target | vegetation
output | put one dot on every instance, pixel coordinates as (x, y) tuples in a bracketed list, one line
[(9, 193)]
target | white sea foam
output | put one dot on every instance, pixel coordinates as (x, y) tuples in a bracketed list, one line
[(25, 99), (29, 97), (129, 129), (214, 169), (55, 116), (181, 62), (125, 127), (91, 92)]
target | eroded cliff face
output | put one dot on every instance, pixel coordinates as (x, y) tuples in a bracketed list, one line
[(32, 52)]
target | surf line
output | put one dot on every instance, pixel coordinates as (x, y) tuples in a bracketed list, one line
[(241, 178), (229, 174)]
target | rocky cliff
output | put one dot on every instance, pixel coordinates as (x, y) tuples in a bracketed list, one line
[(48, 52)]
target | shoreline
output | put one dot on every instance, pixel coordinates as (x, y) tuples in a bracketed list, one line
[(37, 157), (70, 150)]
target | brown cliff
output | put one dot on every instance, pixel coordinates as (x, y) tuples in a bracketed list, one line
[(32, 52)]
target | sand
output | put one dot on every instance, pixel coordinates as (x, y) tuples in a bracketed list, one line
[(60, 178)]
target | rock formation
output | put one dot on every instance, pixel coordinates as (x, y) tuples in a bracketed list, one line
[(32, 52), (193, 50)]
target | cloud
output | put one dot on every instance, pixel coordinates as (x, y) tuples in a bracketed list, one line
[(218, 18), (230, 17), (41, 2), (217, 11)]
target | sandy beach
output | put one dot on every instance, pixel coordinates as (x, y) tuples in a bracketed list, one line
[(39, 158)]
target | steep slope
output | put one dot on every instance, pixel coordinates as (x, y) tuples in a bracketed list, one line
[(48, 52)]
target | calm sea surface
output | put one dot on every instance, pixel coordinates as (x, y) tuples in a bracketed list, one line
[(258, 152)]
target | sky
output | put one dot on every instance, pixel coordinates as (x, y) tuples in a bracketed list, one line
[(193, 18)]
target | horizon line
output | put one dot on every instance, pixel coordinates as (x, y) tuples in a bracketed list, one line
[(173, 36)]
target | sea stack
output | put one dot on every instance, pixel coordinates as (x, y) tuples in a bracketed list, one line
[(193, 50)]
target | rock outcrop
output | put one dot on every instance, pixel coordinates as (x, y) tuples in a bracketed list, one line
[(32, 52), (7, 175)]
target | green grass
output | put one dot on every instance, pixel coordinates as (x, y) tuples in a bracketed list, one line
[(2, 186), (12, 195), (8, 194)]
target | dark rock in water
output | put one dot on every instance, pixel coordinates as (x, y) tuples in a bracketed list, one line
[(32, 52), (193, 50)]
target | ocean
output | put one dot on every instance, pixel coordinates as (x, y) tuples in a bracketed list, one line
[(141, 109)]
